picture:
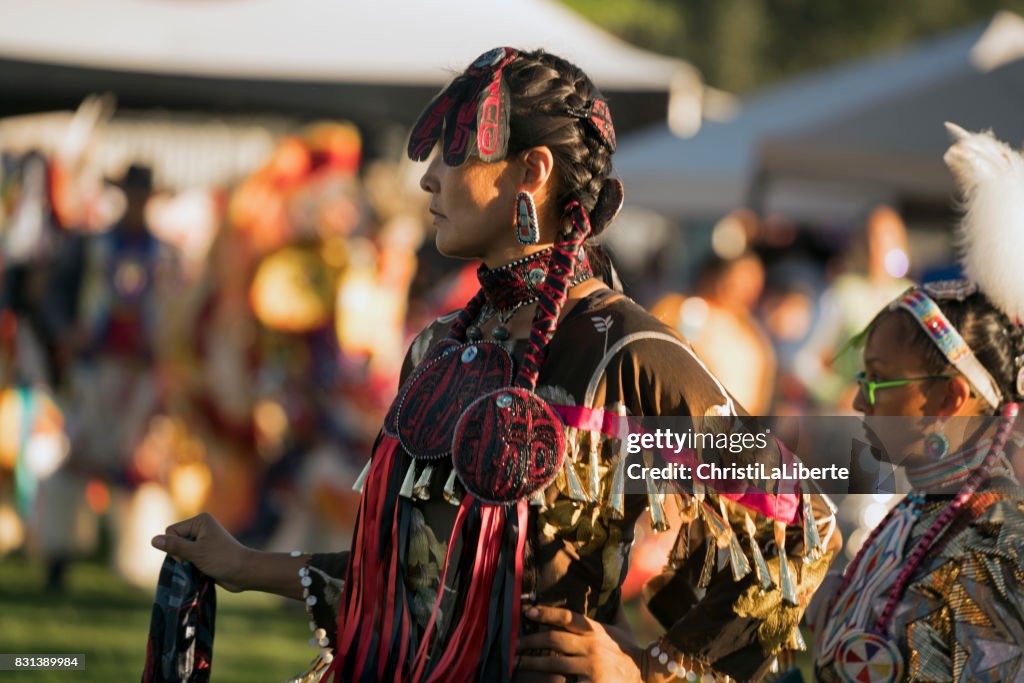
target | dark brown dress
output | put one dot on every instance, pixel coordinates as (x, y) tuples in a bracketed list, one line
[(608, 352)]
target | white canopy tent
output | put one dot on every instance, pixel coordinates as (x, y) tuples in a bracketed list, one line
[(323, 56), (713, 172), (895, 140)]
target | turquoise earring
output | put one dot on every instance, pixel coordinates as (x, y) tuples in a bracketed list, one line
[(527, 230)]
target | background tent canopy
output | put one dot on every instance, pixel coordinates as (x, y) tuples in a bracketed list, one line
[(831, 144), (218, 44), (895, 139)]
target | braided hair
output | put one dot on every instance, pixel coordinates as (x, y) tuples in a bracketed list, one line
[(543, 89)]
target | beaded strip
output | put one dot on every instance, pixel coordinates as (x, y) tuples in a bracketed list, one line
[(945, 336), (320, 639), (666, 657)]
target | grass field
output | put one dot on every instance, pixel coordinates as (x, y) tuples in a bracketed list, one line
[(258, 637)]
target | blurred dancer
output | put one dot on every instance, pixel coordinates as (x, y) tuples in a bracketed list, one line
[(718, 320), (848, 305), (41, 281), (116, 391)]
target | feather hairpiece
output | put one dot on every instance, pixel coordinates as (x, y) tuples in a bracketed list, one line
[(991, 234), (473, 111)]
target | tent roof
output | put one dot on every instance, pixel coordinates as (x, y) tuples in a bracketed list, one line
[(383, 41), (710, 174), (897, 139)]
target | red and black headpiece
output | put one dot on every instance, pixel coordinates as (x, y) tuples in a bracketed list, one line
[(475, 102), (474, 111), (596, 115)]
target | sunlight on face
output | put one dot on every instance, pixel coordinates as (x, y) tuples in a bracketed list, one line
[(471, 205)]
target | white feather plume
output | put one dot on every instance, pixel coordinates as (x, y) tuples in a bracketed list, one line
[(991, 234)]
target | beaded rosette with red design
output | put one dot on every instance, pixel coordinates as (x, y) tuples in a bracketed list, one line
[(508, 444), (440, 391)]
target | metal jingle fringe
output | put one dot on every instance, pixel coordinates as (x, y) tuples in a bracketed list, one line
[(422, 487), (710, 562), (681, 548), (409, 483), (737, 560), (764, 577), (785, 574), (655, 499), (796, 640), (813, 545), (594, 473), (577, 493), (716, 524), (617, 496), (361, 479), (451, 490)]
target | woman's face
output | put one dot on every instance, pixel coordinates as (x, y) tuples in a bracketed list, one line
[(888, 356), (472, 206)]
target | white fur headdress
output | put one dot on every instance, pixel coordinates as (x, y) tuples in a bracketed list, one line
[(991, 234)]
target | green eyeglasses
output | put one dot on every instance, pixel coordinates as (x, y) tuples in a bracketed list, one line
[(868, 387)]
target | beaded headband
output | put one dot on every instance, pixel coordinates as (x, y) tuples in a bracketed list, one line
[(919, 303)]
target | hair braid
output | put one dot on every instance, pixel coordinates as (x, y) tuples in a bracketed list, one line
[(543, 87)]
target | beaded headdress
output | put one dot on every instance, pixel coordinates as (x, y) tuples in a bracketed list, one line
[(920, 302)]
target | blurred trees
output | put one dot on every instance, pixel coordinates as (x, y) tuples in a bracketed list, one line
[(742, 44)]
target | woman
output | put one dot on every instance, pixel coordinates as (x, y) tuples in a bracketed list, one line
[(494, 529), (934, 593)]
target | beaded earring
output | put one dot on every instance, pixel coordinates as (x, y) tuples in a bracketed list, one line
[(527, 230), (936, 445)]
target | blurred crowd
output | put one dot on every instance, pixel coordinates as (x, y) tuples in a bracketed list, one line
[(233, 348)]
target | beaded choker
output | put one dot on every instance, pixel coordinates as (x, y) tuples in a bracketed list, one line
[(943, 474), (522, 281)]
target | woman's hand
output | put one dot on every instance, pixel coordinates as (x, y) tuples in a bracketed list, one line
[(580, 647), (202, 541)]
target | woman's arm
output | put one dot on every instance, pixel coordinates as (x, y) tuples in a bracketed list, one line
[(202, 541)]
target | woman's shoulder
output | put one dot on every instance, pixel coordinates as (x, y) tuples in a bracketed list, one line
[(431, 334), (612, 340), (620, 318)]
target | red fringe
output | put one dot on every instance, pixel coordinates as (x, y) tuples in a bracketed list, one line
[(421, 653), (371, 590), (461, 662), (523, 513), (359, 604)]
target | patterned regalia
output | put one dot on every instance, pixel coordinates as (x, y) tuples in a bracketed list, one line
[(497, 480), (936, 593)]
